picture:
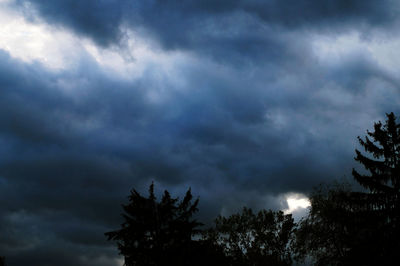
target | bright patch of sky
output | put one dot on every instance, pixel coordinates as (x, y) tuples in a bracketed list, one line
[(34, 42), (334, 48), (59, 49), (296, 202)]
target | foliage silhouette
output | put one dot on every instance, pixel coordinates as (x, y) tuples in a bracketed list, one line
[(382, 203), (346, 227), (162, 233), (343, 226), (328, 233), (385, 144), (158, 233), (249, 238)]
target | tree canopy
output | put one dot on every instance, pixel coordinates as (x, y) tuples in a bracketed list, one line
[(343, 226), (164, 233), (382, 201), (346, 227), (156, 233), (249, 238), (383, 144)]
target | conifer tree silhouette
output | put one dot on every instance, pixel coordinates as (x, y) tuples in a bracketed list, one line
[(385, 145), (157, 233), (381, 203), (347, 227)]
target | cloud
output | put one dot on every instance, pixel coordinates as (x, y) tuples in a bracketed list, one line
[(210, 25), (243, 101)]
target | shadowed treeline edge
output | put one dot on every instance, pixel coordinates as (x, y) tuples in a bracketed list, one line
[(343, 226)]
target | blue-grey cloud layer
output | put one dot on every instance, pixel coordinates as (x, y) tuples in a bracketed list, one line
[(258, 115)]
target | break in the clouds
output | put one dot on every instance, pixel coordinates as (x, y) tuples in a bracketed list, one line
[(251, 103)]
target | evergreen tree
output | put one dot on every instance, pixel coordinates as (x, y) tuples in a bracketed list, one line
[(346, 227), (385, 167), (157, 233), (381, 203)]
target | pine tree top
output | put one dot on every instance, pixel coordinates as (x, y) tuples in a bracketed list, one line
[(383, 144)]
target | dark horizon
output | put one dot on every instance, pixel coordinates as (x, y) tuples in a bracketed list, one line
[(246, 102)]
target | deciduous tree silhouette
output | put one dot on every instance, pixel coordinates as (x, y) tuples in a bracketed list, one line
[(249, 238), (327, 234), (157, 233)]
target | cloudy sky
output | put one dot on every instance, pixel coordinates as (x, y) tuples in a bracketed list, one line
[(245, 101)]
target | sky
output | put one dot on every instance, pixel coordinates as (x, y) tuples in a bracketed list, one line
[(250, 103)]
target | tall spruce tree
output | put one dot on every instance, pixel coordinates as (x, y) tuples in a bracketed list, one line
[(346, 227), (385, 167), (380, 206)]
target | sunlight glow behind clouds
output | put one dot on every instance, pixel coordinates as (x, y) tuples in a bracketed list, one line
[(59, 49), (34, 42), (296, 202)]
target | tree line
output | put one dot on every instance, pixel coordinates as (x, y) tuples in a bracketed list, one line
[(344, 226)]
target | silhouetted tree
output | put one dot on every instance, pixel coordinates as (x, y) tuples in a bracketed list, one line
[(385, 167), (158, 233), (329, 232), (346, 227), (382, 202), (249, 238)]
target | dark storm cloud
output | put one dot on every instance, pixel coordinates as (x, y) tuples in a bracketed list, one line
[(219, 28), (97, 19), (74, 142), (69, 158), (58, 153)]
